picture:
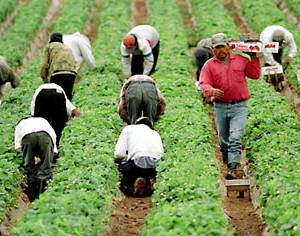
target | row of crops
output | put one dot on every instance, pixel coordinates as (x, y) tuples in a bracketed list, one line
[(79, 199)]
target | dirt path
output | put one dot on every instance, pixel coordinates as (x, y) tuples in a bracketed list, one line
[(129, 215), (240, 212), (14, 215), (233, 6), (9, 19), (281, 4), (139, 12)]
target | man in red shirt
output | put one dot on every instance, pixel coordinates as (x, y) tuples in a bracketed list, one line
[(223, 78)]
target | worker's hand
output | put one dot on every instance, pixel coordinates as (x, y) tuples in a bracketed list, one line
[(75, 113), (217, 93)]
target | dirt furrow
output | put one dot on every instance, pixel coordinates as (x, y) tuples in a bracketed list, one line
[(233, 6), (288, 13), (9, 19), (240, 212), (139, 12), (130, 212)]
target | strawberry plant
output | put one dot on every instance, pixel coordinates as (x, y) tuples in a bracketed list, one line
[(6, 8)]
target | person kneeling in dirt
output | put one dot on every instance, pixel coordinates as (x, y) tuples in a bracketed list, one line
[(58, 64), (140, 50), (8, 79), (138, 152), (140, 96), (36, 139), (50, 102), (276, 33)]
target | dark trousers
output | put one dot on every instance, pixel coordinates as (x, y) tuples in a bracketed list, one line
[(130, 172), (201, 56), (37, 144), (141, 96), (137, 62), (66, 81), (52, 106)]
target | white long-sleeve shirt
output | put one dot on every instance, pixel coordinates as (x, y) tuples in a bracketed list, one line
[(31, 125), (137, 141), (147, 38), (266, 36), (81, 48), (69, 106)]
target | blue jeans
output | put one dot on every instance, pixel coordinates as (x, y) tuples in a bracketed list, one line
[(231, 122)]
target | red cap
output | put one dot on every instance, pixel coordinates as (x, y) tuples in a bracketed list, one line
[(129, 41)]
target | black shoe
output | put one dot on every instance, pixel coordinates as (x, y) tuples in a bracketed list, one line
[(232, 170)]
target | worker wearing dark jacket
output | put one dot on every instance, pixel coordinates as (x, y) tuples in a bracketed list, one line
[(58, 64)]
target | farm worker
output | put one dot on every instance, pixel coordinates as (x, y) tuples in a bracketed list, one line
[(138, 152), (276, 33), (140, 49), (138, 95), (202, 53), (81, 48), (8, 79), (223, 78), (50, 102), (36, 139), (58, 64)]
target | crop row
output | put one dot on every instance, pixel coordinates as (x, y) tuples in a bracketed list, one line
[(294, 6), (18, 37), (259, 14), (15, 107), (186, 200), (6, 8), (272, 135), (79, 199)]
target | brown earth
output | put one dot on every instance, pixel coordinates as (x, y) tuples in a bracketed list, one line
[(14, 215), (128, 217), (139, 12)]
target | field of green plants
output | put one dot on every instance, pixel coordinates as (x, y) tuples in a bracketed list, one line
[(187, 201)]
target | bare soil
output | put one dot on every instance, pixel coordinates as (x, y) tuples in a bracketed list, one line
[(240, 211), (14, 215), (139, 12), (128, 217)]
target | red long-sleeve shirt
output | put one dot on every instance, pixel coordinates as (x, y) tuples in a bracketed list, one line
[(229, 77)]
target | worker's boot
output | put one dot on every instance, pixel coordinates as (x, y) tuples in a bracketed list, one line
[(139, 187), (232, 170)]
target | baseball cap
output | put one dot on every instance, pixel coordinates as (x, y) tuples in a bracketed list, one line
[(219, 39)]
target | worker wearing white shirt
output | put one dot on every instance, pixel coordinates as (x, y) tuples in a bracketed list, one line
[(140, 50), (35, 137), (50, 102), (81, 48), (276, 33), (139, 150)]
